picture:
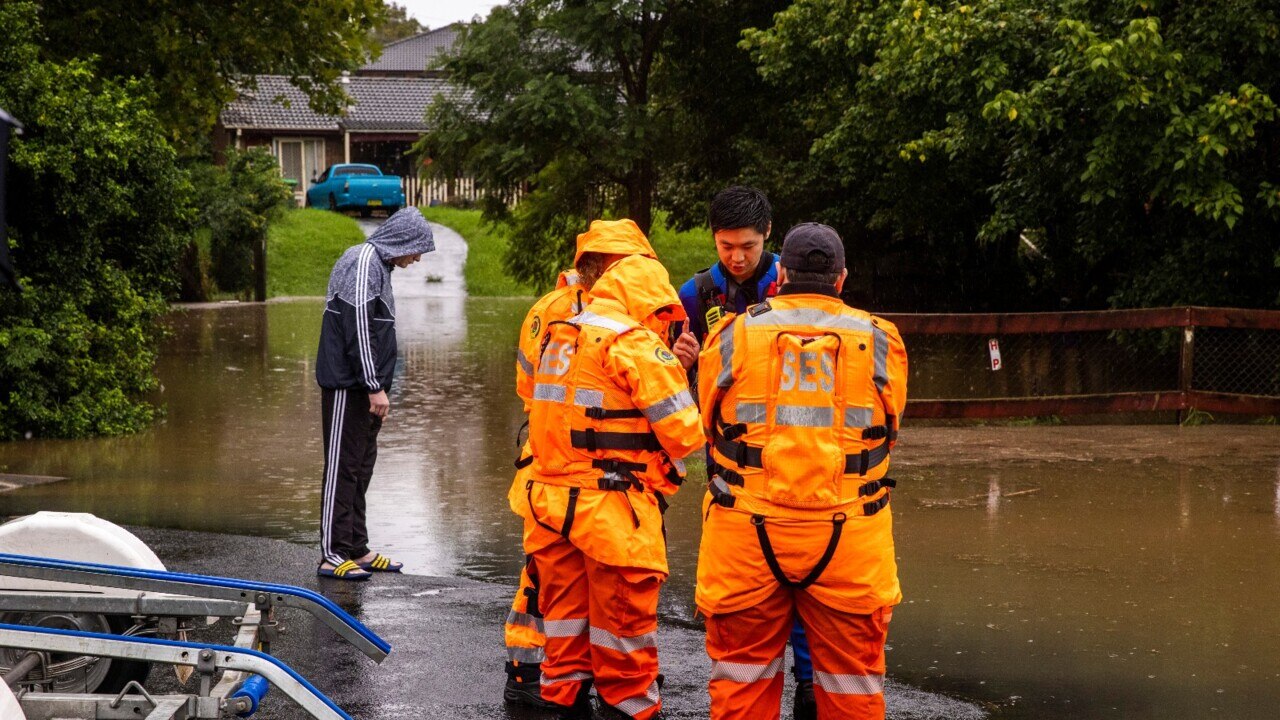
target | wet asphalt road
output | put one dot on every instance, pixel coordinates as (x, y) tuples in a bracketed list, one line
[(446, 634)]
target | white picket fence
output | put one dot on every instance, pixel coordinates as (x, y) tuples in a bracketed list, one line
[(436, 191)]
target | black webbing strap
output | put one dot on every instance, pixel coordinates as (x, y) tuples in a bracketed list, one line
[(862, 462), (874, 487), (593, 440), (837, 525), (720, 496), (531, 592), (568, 513), (875, 506), (880, 432), (599, 413), (524, 462), (741, 453)]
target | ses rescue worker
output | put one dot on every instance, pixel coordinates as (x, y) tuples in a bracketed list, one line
[(741, 220), (605, 242), (354, 366), (801, 396), (611, 420)]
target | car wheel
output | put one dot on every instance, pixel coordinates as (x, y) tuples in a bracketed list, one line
[(392, 210), (333, 203), (366, 212)]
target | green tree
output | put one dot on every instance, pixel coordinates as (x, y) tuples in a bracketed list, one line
[(239, 198), (558, 95), (97, 214), (1020, 153), (195, 54), (396, 25)]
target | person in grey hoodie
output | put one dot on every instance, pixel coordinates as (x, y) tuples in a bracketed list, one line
[(354, 370)]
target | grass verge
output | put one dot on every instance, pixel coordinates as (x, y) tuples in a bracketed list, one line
[(683, 253), (486, 246), (302, 246)]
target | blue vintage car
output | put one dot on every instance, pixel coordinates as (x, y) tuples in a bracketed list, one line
[(350, 186)]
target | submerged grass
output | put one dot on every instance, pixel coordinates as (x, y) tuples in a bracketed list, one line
[(302, 246), (486, 246), (682, 252)]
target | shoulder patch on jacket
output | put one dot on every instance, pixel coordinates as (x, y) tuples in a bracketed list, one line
[(759, 309)]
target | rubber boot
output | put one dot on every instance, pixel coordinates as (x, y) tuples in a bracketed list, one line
[(523, 686), (610, 712)]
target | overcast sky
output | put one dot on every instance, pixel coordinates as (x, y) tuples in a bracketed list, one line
[(435, 13)]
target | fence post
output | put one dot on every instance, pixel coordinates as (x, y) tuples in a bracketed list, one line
[(1186, 357)]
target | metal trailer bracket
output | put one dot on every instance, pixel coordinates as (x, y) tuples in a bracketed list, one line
[(216, 657)]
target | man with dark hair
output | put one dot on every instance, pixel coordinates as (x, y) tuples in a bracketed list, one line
[(741, 219), (801, 397)]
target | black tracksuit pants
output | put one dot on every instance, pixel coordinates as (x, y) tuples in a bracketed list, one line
[(350, 449)]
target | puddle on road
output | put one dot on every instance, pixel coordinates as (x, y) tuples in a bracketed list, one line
[(1052, 572)]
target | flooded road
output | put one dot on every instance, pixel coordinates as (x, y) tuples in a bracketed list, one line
[(1049, 572)]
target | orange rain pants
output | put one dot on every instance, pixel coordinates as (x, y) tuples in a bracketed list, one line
[(601, 622), (523, 629), (747, 646)]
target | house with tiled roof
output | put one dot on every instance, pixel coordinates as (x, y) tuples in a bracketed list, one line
[(387, 114)]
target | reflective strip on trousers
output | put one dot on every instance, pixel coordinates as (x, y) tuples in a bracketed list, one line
[(588, 398), (569, 677), (571, 627), (804, 416), (525, 620), (589, 318), (605, 639), (744, 672), (636, 705), (881, 342), (669, 406), (849, 684), (523, 359), (858, 417), (725, 378), (811, 317), (746, 412), (526, 655), (550, 392)]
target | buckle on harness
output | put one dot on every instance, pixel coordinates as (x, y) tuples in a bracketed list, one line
[(733, 432)]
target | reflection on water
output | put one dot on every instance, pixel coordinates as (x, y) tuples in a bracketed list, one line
[(1056, 572)]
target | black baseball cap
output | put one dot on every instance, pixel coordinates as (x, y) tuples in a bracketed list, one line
[(813, 247)]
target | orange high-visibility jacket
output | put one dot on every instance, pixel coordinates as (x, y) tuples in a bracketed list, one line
[(612, 419), (801, 397)]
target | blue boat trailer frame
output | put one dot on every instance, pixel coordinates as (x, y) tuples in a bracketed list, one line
[(238, 691)]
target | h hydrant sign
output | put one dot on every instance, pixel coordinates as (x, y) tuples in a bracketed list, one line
[(993, 345)]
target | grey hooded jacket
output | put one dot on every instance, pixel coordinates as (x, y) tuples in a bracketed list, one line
[(358, 333)]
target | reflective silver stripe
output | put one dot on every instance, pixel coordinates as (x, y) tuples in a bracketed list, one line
[(588, 398), (526, 655), (857, 417), (550, 392), (523, 360), (525, 620), (849, 684), (571, 627), (636, 705), (725, 378), (745, 672), (605, 639), (750, 412), (679, 465), (809, 317), (568, 677), (586, 317), (881, 342), (670, 406), (804, 416)]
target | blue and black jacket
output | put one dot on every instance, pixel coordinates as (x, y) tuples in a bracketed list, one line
[(358, 333), (713, 291)]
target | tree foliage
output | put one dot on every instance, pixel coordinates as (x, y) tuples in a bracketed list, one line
[(1032, 153), (557, 95), (396, 24), (195, 53), (238, 199), (97, 215)]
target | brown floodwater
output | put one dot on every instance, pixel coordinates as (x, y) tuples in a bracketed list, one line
[(1049, 571)]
